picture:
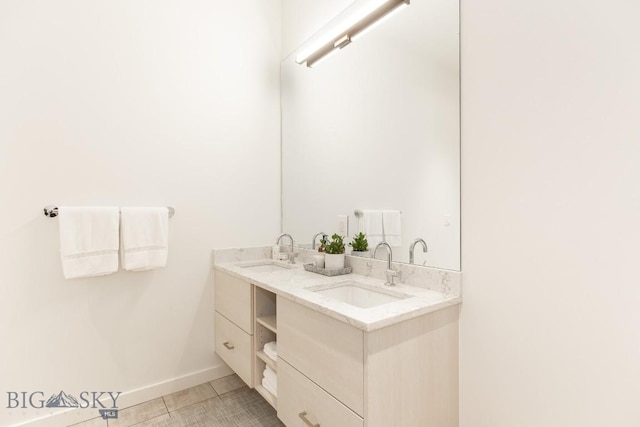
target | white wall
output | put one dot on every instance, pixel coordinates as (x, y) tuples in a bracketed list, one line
[(129, 103), (550, 213)]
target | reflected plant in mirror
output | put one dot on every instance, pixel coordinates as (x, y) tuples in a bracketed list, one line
[(360, 245), (377, 127)]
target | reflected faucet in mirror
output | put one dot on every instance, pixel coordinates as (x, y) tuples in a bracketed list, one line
[(391, 273), (313, 242), (413, 246), (292, 257)]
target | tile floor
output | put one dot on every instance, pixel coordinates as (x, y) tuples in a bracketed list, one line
[(225, 402)]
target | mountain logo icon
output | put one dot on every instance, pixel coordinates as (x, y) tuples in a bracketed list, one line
[(62, 400)]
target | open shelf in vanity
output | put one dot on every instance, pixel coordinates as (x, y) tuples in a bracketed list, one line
[(265, 331)]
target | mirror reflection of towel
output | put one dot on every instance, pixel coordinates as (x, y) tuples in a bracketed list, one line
[(392, 226), (372, 226)]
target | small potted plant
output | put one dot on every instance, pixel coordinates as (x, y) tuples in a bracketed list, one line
[(360, 245), (334, 253)]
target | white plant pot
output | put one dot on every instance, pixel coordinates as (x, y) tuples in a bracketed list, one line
[(334, 261), (363, 254)]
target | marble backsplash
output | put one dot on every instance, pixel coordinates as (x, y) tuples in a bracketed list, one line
[(447, 282)]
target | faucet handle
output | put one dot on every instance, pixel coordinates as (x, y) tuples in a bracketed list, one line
[(391, 275)]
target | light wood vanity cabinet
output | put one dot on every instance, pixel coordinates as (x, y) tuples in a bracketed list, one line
[(336, 375), (405, 374), (234, 324), (235, 347), (327, 351), (234, 300), (245, 321), (299, 398)]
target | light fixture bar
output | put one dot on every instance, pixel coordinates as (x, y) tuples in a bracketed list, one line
[(342, 42), (344, 28), (328, 51), (317, 60), (380, 16)]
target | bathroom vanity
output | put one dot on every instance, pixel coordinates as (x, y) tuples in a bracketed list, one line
[(351, 351)]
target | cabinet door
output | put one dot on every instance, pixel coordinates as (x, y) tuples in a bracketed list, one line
[(234, 300), (299, 398), (235, 347), (325, 350)]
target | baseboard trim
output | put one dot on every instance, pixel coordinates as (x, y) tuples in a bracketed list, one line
[(132, 397)]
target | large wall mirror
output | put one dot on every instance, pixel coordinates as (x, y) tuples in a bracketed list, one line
[(377, 127)]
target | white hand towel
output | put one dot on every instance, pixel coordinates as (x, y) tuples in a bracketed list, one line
[(89, 240), (372, 226), (392, 223), (145, 238), (271, 350)]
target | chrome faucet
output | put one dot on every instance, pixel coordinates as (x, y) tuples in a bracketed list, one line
[(292, 257), (412, 246), (391, 273), (313, 242)]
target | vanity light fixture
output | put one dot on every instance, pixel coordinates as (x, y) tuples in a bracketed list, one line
[(349, 25)]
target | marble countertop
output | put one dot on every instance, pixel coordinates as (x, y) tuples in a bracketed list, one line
[(294, 283)]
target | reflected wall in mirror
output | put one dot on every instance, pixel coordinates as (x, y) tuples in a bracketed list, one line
[(377, 127)]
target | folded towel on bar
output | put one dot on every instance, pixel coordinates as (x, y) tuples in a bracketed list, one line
[(270, 387), (371, 225), (270, 375), (89, 240), (271, 350), (392, 225), (145, 238)]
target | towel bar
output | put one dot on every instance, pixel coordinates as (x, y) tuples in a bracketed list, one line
[(52, 211), (358, 213)]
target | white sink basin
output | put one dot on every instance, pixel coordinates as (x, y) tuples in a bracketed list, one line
[(359, 296), (264, 267)]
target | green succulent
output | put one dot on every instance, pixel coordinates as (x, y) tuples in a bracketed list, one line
[(335, 246), (360, 243)]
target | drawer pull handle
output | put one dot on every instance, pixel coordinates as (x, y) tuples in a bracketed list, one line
[(303, 417), (228, 345)]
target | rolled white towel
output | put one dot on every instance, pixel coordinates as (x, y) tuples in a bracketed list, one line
[(270, 387), (270, 375), (271, 350)]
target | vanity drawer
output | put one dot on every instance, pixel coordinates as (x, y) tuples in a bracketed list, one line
[(235, 347), (298, 395), (234, 300), (327, 351)]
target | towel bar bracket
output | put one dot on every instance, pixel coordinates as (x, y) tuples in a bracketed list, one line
[(51, 211)]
